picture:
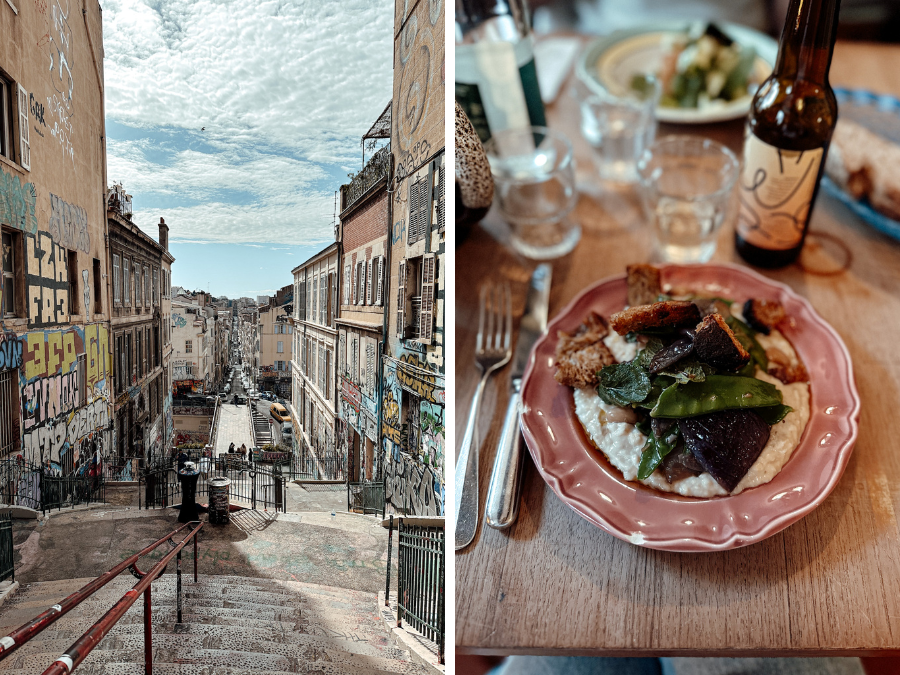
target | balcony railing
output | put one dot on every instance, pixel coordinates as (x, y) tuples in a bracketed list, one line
[(376, 169)]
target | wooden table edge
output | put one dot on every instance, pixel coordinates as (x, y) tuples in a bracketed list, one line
[(644, 652)]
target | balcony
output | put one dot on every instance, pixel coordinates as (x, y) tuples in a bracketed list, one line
[(376, 168)]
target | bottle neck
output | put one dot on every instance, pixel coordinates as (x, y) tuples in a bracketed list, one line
[(807, 42)]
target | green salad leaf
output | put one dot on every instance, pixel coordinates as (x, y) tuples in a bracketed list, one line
[(654, 451), (623, 384)]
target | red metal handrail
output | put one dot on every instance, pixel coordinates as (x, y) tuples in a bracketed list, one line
[(23, 633), (83, 646)]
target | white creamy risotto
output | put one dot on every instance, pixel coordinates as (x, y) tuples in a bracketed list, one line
[(622, 442)]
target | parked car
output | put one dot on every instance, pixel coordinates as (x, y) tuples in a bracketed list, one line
[(279, 413)]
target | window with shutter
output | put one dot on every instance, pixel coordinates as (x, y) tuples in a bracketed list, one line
[(401, 300), (342, 353), (439, 198), (426, 320), (347, 285), (415, 212), (323, 299), (24, 131), (379, 286), (370, 367), (369, 288), (328, 374), (355, 284)]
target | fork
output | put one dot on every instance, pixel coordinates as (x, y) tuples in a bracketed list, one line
[(492, 351)]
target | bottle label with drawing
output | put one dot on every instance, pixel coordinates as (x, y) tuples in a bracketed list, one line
[(775, 192)]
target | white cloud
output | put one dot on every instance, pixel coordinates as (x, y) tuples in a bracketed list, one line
[(284, 88)]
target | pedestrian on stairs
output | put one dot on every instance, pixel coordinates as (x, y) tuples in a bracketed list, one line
[(231, 449)]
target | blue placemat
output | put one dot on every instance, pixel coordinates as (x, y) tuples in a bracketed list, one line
[(878, 113)]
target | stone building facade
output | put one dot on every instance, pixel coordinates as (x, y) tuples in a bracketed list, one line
[(363, 236), (413, 398), (314, 399), (55, 350), (137, 336), (165, 303), (276, 339)]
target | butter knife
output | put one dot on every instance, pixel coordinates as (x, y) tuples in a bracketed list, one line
[(502, 506)]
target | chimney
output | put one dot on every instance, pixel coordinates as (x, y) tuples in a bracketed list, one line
[(163, 234)]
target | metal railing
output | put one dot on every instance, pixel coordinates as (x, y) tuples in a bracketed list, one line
[(7, 562), (255, 486), (83, 646), (420, 578), (367, 496), (39, 488), (310, 464)]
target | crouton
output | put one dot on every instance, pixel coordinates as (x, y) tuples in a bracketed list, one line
[(763, 315), (780, 366), (643, 285), (715, 344), (581, 355), (668, 314)]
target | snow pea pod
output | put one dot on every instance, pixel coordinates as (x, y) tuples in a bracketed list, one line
[(716, 392)]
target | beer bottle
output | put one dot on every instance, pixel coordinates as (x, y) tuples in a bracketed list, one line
[(788, 131)]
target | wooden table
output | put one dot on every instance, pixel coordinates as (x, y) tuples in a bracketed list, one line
[(828, 585)]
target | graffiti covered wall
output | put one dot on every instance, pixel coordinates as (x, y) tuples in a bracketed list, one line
[(64, 384), (414, 457)]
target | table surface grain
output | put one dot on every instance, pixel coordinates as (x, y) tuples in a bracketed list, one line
[(829, 584)]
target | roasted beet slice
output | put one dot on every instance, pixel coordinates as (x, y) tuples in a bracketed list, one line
[(725, 443), (715, 344), (666, 356), (680, 463)]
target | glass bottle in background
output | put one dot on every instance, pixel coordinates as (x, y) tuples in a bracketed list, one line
[(788, 131), (496, 81)]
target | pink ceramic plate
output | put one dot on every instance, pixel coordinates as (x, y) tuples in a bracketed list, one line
[(583, 478)]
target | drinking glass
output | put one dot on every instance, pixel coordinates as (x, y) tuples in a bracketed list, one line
[(687, 184), (534, 188), (619, 124)]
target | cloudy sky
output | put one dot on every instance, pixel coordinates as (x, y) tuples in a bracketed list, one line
[(236, 121)]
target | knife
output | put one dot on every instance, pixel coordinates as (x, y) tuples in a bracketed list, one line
[(506, 478)]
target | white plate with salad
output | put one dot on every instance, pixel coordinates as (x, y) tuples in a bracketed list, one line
[(708, 72)]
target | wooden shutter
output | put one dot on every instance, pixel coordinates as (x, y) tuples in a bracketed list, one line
[(347, 285), (370, 366), (401, 300), (24, 131), (369, 289), (426, 320), (379, 288), (439, 198), (414, 208)]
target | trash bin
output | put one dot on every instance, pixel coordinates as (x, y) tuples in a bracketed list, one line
[(188, 477), (218, 500)]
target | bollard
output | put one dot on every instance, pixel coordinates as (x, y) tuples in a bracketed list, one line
[(218, 500)]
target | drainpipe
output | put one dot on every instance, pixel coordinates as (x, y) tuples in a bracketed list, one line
[(387, 315)]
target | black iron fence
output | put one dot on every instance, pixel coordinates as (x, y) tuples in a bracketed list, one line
[(366, 497), (420, 578), (7, 566), (40, 488), (311, 464), (252, 485)]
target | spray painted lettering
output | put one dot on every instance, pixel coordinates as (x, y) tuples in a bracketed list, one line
[(10, 351), (60, 104), (47, 281), (422, 385), (68, 225), (17, 203), (49, 397)]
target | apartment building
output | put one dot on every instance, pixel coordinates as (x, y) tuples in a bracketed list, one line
[(363, 236), (55, 351), (413, 387), (314, 398), (276, 337), (136, 261)]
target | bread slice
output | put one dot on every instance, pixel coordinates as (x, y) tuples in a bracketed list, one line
[(581, 355), (644, 286), (668, 314)]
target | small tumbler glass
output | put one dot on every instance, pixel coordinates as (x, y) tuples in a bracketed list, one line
[(619, 125), (534, 188), (686, 185)]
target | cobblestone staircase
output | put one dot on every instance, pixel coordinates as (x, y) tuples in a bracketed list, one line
[(231, 626)]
